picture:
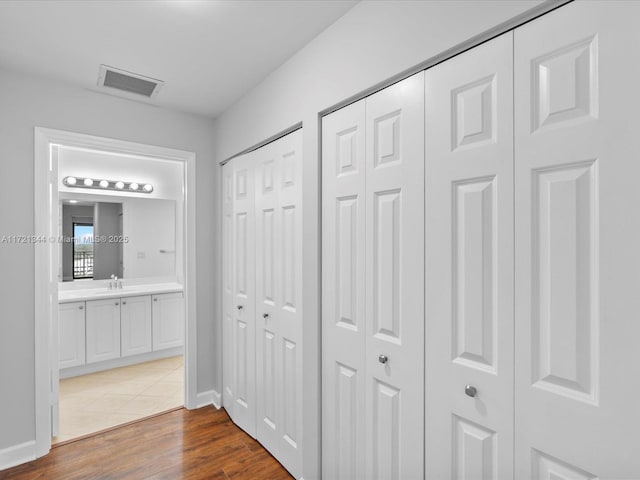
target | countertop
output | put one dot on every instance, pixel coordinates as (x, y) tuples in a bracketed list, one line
[(81, 295)]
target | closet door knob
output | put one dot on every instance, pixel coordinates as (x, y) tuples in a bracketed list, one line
[(80, 307), (470, 390), (124, 303), (265, 315), (117, 304), (239, 307), (383, 359)]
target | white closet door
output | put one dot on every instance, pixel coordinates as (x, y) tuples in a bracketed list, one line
[(577, 234), (469, 245), (268, 243), (289, 277), (227, 288), (343, 291), (394, 266), (243, 308)]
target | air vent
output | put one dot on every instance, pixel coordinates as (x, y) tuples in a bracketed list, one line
[(128, 82)]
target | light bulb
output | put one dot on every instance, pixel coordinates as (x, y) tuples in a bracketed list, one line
[(70, 180), (148, 188), (88, 182), (119, 185), (134, 186), (104, 183)]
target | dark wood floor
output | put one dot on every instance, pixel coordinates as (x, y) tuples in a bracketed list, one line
[(182, 444)]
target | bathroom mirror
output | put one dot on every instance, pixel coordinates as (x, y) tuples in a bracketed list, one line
[(127, 237)]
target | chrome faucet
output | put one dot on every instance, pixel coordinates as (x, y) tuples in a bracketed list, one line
[(113, 283)]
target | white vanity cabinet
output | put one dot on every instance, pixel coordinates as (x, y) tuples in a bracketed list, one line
[(135, 325), (71, 332), (103, 329), (168, 320)]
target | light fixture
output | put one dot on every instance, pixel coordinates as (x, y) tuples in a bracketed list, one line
[(73, 201), (87, 182)]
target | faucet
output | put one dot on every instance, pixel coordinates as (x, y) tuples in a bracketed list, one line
[(113, 283)]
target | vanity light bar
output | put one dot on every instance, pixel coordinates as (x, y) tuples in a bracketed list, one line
[(117, 185)]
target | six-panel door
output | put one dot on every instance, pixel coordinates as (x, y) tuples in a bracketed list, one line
[(373, 307), (577, 236), (469, 251)]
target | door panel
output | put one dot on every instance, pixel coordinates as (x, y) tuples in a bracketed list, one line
[(243, 298), (135, 324), (288, 266), (577, 365), (228, 306), (394, 281), (469, 258), (71, 334), (343, 289), (103, 329), (268, 220)]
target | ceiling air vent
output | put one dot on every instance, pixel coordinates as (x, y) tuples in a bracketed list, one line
[(128, 82)]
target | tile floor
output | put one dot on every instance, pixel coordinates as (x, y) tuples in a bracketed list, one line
[(97, 401)]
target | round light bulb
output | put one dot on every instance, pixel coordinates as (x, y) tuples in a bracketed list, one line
[(119, 185), (134, 186), (104, 183), (88, 182), (148, 188), (70, 180)]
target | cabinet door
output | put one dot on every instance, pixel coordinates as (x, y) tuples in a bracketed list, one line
[(577, 236), (168, 320), (469, 253), (103, 330), (394, 266), (71, 334), (135, 324), (343, 284)]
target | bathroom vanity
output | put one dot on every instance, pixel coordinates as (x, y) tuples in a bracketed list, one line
[(102, 328)]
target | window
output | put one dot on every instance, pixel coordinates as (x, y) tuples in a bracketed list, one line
[(82, 250)]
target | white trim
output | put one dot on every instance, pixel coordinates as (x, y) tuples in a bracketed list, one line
[(210, 397), (46, 289), (17, 454)]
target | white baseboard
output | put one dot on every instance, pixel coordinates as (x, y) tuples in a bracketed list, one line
[(210, 397), (17, 454)]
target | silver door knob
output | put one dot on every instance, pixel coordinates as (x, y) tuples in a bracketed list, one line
[(265, 315), (239, 307), (383, 359), (470, 390)]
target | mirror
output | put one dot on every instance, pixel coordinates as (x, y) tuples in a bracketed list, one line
[(127, 237)]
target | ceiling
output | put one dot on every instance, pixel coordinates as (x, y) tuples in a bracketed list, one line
[(208, 53)]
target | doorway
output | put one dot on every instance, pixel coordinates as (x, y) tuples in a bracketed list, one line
[(48, 274)]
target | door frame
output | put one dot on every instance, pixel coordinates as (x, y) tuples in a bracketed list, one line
[(46, 274)]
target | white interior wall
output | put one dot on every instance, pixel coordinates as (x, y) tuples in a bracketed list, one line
[(374, 41), (29, 101)]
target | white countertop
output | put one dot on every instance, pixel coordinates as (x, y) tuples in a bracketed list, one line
[(81, 295)]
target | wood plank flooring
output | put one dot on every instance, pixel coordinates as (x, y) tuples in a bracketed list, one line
[(181, 444)]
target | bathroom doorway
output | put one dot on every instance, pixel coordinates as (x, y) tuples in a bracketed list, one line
[(137, 359)]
